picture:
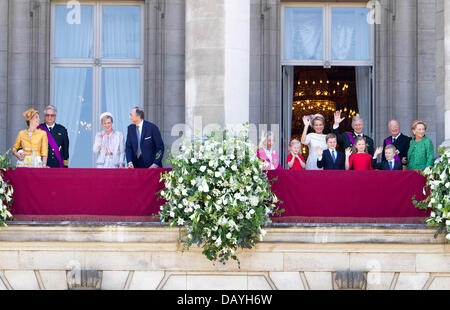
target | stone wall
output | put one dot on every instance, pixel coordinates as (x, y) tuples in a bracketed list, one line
[(40, 256)]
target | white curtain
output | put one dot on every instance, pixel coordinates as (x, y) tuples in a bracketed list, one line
[(71, 93), (363, 95), (121, 31), (303, 34), (74, 40), (350, 34), (121, 92)]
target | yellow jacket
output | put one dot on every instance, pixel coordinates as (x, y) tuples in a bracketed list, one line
[(38, 142)]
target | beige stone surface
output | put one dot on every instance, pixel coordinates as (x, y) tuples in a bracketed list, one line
[(315, 262), (383, 262), (433, 263), (22, 280), (216, 282), (176, 282), (146, 280), (379, 280), (2, 286), (114, 280), (412, 281), (287, 280), (440, 283), (118, 261), (49, 260), (258, 282), (319, 280), (53, 279), (9, 259)]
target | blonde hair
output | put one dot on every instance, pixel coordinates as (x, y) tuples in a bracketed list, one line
[(391, 147), (418, 122), (295, 142)]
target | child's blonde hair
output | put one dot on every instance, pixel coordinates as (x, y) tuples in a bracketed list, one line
[(391, 147), (295, 142)]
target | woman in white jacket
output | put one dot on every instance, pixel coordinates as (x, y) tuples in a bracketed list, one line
[(109, 145)]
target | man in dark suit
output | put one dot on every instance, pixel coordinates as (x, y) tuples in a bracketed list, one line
[(399, 140), (58, 140), (389, 163), (347, 139), (330, 159), (144, 147)]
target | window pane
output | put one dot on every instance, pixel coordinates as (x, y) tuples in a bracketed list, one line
[(350, 34), (120, 93), (121, 31), (303, 34), (74, 32), (73, 99)]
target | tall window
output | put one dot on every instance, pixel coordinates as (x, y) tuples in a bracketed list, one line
[(96, 66), (327, 34)]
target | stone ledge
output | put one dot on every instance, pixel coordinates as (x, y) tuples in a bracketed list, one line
[(160, 233)]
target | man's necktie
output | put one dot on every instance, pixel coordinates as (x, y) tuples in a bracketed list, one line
[(393, 140), (139, 142), (391, 165), (334, 156)]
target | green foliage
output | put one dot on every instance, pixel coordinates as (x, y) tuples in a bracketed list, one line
[(438, 200), (219, 192)]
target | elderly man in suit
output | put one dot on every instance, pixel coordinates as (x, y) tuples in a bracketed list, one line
[(347, 139), (58, 140), (144, 147), (399, 140)]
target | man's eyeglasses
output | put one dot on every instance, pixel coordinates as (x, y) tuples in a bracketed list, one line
[(51, 115)]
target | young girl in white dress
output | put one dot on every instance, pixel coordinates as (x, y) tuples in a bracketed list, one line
[(314, 140), (109, 145)]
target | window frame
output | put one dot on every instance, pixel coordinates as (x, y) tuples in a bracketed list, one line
[(327, 60), (96, 62)]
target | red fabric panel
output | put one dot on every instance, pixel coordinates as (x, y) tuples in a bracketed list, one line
[(123, 195), (105, 192), (349, 194)]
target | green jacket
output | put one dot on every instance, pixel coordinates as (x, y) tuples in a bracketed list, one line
[(420, 154)]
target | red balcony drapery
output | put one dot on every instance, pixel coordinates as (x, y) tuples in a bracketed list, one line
[(124, 195)]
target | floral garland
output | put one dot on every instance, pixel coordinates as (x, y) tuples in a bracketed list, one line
[(219, 192), (6, 190), (438, 185)]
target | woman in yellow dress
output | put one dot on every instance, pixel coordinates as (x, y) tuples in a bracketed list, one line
[(31, 147)]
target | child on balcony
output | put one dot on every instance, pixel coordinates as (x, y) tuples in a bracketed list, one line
[(330, 159), (390, 163), (295, 160), (358, 158)]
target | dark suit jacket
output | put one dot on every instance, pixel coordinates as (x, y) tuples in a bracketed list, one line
[(384, 165), (345, 142), (59, 133), (327, 161), (152, 146), (402, 145)]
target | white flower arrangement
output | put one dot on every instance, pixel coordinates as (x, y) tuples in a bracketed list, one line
[(438, 187), (228, 196), (6, 190)]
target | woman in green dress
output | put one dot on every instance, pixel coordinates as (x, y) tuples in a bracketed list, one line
[(421, 149)]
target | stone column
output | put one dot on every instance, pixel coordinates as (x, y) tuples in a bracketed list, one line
[(3, 73), (405, 63), (217, 61), (447, 71), (19, 66)]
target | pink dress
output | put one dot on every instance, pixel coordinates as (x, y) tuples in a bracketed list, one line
[(271, 164)]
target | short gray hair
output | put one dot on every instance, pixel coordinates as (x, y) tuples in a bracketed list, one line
[(104, 118), (50, 107), (357, 118)]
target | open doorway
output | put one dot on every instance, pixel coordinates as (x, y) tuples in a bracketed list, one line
[(311, 90)]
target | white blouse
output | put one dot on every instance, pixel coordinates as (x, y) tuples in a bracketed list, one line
[(314, 140), (112, 143)]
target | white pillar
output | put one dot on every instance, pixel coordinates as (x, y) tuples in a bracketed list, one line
[(217, 61), (3, 74)]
